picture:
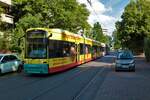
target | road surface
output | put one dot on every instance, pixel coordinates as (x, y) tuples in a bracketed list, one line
[(96, 80)]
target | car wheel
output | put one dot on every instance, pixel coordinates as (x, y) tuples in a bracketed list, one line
[(19, 70), (116, 69), (133, 70)]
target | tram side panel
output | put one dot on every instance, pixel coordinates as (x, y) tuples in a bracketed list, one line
[(61, 51), (62, 56)]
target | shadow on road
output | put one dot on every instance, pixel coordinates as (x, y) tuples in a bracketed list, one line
[(108, 59)]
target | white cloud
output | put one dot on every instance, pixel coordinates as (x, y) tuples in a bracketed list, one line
[(98, 14)]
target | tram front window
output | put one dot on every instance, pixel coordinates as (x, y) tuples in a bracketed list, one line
[(36, 51), (36, 44)]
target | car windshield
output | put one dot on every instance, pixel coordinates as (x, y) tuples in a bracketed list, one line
[(125, 55)]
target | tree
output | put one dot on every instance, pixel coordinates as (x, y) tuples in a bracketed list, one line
[(116, 43), (147, 48), (3, 34), (1, 11), (134, 25), (64, 14), (97, 34)]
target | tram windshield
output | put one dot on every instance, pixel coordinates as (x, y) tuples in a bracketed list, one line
[(36, 44)]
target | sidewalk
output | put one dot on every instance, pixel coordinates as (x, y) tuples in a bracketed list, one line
[(124, 85), (142, 66), (141, 60)]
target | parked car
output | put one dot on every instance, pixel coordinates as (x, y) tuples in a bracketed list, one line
[(125, 61), (9, 63)]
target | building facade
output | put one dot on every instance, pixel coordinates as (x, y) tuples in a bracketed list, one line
[(6, 23), (6, 18)]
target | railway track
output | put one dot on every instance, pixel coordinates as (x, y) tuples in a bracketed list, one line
[(95, 74), (68, 85), (84, 89), (67, 76), (60, 84)]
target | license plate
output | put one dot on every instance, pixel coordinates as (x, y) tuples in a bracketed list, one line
[(125, 66)]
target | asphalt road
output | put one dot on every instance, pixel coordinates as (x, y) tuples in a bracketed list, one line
[(95, 80)]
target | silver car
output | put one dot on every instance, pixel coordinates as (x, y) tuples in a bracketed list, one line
[(125, 61), (9, 63)]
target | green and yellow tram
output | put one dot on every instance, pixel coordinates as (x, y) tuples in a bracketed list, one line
[(54, 50)]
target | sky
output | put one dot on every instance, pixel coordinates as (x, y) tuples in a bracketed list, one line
[(107, 12)]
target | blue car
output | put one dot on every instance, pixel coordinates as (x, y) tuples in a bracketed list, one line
[(9, 63), (125, 61)]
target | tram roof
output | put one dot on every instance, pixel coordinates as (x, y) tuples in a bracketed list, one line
[(56, 30)]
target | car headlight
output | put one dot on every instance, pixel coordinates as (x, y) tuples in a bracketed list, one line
[(132, 64)]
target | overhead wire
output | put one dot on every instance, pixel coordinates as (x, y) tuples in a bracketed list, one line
[(97, 16), (90, 3)]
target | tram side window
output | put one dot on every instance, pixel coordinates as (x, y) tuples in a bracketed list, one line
[(66, 48), (98, 49), (82, 48), (102, 49), (88, 49), (59, 48), (94, 49), (53, 49), (91, 49)]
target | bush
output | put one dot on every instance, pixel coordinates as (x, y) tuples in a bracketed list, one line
[(147, 48), (15, 49)]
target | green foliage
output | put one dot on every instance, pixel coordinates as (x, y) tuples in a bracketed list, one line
[(116, 42), (1, 38), (147, 48), (1, 11), (4, 35), (134, 25), (64, 14), (5, 40), (2, 43), (98, 35), (29, 21), (97, 31)]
